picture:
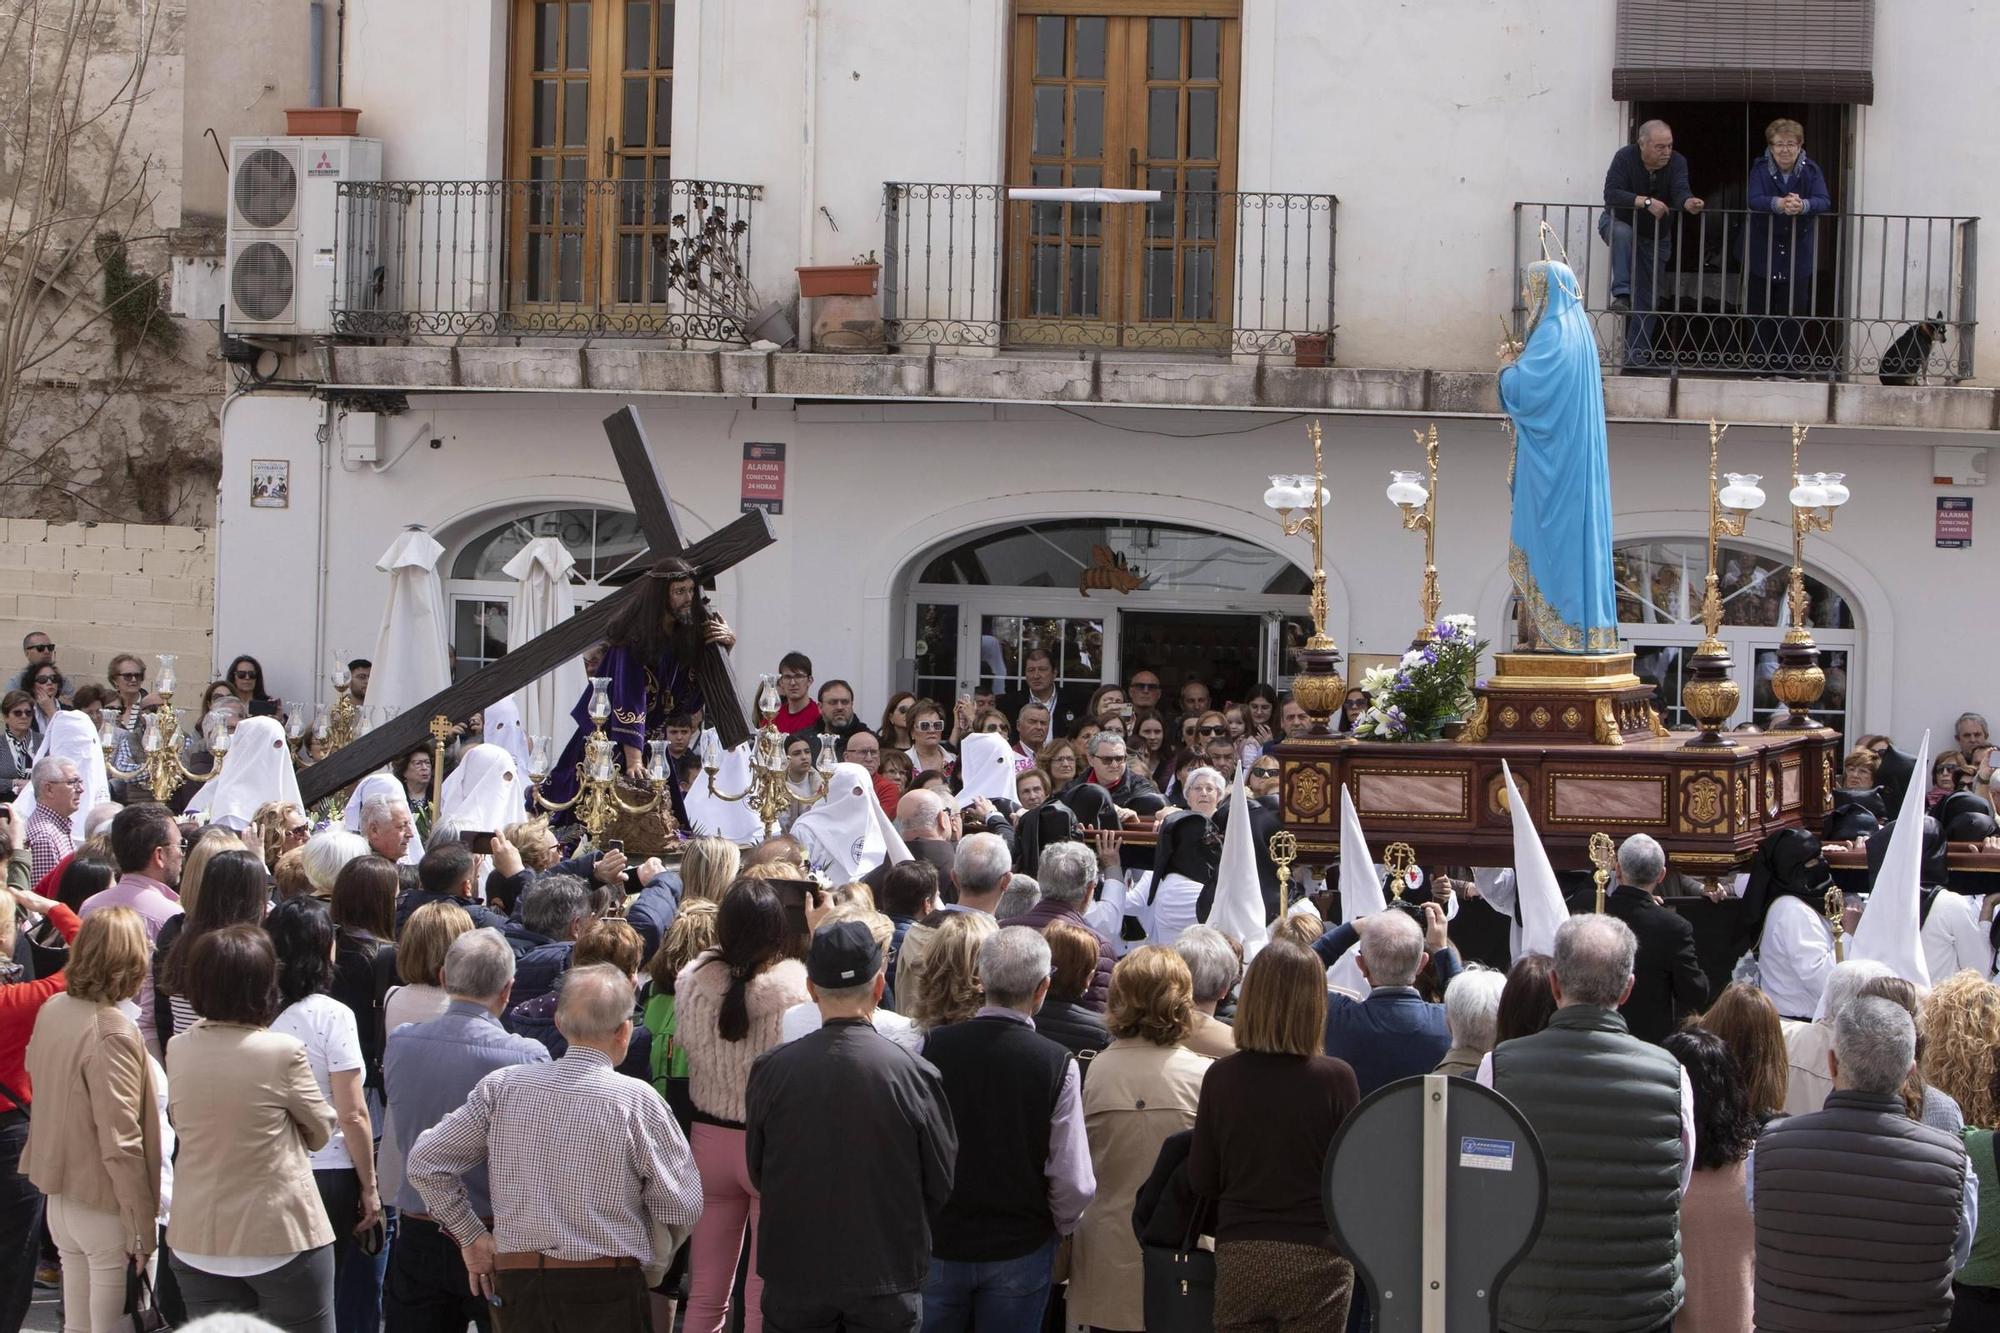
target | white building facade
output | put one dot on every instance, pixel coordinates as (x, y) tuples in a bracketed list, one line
[(1069, 430)]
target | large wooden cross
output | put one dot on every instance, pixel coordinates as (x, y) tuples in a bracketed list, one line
[(712, 554)]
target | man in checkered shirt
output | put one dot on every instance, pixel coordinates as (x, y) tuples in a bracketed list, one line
[(58, 792), (584, 1166)]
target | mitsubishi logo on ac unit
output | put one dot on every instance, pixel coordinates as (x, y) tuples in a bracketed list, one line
[(294, 239)]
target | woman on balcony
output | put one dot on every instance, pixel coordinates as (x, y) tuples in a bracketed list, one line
[(1787, 192)]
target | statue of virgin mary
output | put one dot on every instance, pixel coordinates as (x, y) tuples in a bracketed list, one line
[(1560, 539)]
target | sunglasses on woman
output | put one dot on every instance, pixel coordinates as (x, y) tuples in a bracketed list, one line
[(930, 724), (1213, 731)]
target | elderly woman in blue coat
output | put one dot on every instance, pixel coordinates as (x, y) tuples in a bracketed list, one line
[(1787, 195)]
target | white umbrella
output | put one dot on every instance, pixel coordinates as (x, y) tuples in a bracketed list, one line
[(1238, 908), (545, 601), (412, 661)]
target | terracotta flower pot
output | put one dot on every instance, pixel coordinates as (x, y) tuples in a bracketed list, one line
[(1309, 349), (838, 279)]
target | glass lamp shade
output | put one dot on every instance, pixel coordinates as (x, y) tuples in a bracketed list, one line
[(1742, 493), (164, 680), (600, 761), (767, 696), (218, 741), (1283, 494), (826, 759), (538, 757), (1835, 484), (295, 723), (322, 723), (107, 736), (1406, 489), (656, 760), (600, 698), (150, 741), (1807, 493), (340, 675), (711, 750)]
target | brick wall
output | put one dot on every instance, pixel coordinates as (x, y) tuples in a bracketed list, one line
[(106, 588)]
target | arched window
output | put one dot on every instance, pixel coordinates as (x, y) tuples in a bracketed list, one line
[(1660, 588), (609, 551), (1104, 596)]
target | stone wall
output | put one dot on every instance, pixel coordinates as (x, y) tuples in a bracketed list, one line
[(105, 588)]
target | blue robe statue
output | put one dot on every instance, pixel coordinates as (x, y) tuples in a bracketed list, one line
[(643, 697), (1560, 540)]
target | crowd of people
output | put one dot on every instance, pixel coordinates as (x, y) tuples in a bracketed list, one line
[(945, 1052)]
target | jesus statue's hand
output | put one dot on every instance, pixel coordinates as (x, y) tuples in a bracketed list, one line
[(720, 634)]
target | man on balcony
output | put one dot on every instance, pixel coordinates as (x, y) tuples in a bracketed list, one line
[(1646, 183)]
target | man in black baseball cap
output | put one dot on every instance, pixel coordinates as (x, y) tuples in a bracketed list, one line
[(845, 1124)]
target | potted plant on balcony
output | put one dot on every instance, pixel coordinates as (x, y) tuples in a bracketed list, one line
[(847, 311), (703, 253), (1309, 349), (857, 278)]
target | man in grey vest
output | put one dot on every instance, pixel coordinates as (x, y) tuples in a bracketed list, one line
[(1863, 1214), (1615, 1116)]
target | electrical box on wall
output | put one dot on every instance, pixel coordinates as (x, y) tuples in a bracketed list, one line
[(1955, 465), (360, 436)]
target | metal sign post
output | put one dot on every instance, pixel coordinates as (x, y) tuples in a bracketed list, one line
[(1433, 1258)]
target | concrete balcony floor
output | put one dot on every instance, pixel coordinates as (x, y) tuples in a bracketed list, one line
[(1126, 380)]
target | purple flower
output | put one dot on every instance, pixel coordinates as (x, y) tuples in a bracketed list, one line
[(1402, 680), (1430, 654)]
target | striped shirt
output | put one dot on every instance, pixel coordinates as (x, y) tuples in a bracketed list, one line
[(580, 1161), (49, 840)]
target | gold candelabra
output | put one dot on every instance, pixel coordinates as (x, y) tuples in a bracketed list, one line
[(597, 801), (1835, 907), (442, 730), (1418, 503), (160, 740), (1799, 680), (1710, 693), (769, 791), (1400, 860), (1317, 685), (1284, 851), (1602, 856)]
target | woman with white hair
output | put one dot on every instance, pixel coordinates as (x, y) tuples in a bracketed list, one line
[(1185, 860), (325, 853), (1471, 1015)]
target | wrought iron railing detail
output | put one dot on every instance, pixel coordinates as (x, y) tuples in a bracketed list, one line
[(531, 258), (1736, 292), (1206, 270)]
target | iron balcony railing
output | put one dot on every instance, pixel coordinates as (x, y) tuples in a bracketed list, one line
[(1213, 270), (588, 258), (1736, 292)]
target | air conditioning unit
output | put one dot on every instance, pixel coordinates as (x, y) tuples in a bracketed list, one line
[(286, 251)]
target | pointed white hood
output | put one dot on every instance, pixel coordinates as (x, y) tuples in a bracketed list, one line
[(1238, 907), (846, 834), (1891, 931), (1360, 891), (70, 736), (1539, 896), (985, 768), (258, 768)]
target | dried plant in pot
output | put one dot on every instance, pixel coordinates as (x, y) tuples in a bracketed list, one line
[(704, 253)]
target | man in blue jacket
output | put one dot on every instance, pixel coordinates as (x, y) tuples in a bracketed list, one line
[(1645, 189), (1395, 1032)]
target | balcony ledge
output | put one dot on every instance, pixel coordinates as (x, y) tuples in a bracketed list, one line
[(1132, 381)]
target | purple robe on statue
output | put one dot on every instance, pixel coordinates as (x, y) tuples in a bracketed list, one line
[(641, 702)]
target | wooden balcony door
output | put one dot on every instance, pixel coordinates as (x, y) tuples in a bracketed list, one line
[(591, 139), (1144, 99)]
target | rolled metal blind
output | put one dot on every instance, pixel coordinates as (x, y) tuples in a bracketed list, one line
[(1745, 50)]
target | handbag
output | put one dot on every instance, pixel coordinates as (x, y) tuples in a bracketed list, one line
[(1179, 1284), (142, 1314)]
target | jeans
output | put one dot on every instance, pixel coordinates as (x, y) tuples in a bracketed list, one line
[(340, 1195), (892, 1312), (297, 1295), (728, 1204), (20, 1223), (1641, 250), (1006, 1296), (94, 1265), (426, 1290)]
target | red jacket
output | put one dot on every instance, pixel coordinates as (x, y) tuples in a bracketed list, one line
[(18, 1006)]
